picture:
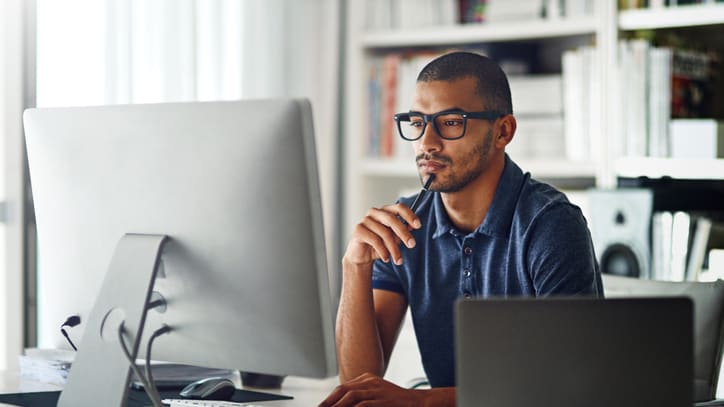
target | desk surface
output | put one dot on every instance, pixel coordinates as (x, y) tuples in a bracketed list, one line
[(306, 392)]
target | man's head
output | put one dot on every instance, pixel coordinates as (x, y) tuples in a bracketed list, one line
[(465, 82), (492, 84)]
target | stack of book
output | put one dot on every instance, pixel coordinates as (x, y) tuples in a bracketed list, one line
[(680, 243), (420, 14), (410, 14), (46, 365), (483, 11), (632, 4), (538, 108), (53, 365), (656, 85), (581, 102)]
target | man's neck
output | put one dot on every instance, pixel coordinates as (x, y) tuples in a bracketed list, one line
[(468, 207)]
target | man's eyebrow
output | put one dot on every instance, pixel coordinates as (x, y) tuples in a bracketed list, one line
[(443, 110)]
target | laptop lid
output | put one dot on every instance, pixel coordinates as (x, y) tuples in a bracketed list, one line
[(574, 352)]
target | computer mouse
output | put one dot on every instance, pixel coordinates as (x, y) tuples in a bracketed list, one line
[(211, 388)]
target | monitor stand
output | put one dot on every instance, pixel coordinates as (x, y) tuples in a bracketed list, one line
[(100, 373)]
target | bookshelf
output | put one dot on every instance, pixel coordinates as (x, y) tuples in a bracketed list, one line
[(538, 168), (476, 33), (671, 17), (677, 168), (703, 25), (374, 182), (371, 181)]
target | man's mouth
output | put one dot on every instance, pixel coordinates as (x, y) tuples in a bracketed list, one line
[(431, 164)]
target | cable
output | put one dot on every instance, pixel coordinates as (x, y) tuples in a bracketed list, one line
[(153, 395), (149, 374), (71, 321)]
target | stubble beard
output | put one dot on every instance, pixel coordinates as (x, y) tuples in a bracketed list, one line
[(477, 158)]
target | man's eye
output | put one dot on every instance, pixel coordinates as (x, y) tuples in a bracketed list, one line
[(416, 124), (452, 123)]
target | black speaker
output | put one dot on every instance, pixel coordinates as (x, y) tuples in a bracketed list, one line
[(620, 227)]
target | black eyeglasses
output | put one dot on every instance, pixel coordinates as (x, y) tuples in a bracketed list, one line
[(449, 124)]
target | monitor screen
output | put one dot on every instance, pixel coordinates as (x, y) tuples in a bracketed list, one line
[(233, 185)]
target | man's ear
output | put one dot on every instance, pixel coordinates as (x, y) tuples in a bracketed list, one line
[(506, 130)]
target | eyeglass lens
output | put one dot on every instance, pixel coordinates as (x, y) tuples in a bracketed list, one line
[(449, 126)]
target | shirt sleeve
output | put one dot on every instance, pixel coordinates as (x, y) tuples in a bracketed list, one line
[(384, 277), (561, 258)]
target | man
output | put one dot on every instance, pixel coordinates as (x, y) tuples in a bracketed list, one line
[(487, 229)]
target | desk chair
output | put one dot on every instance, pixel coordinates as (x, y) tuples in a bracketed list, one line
[(708, 301)]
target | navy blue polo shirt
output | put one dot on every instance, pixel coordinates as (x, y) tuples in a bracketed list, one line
[(533, 242)]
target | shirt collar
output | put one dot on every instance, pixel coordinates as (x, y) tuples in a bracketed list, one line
[(500, 215)]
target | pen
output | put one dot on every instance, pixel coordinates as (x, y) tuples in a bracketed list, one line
[(422, 192)]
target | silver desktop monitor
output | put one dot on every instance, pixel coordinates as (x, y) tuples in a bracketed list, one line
[(212, 207)]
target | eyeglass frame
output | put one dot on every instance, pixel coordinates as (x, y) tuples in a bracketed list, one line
[(430, 119)]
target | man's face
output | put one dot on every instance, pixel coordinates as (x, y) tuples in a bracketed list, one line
[(455, 163)]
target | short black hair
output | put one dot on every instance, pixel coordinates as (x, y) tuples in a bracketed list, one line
[(492, 87)]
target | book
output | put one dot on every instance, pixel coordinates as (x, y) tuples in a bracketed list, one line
[(659, 100), (448, 12), (578, 8), (388, 132), (680, 229), (581, 102), (697, 249), (692, 84), (520, 10), (526, 92), (592, 114), (661, 228), (574, 89), (409, 67), (473, 11), (635, 82), (378, 14), (539, 137), (696, 138), (374, 95)]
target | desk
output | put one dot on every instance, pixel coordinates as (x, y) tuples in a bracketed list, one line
[(306, 392)]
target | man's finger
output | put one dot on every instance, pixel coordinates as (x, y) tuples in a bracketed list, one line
[(374, 240), (388, 238), (390, 217)]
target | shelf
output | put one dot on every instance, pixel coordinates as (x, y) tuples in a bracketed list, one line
[(472, 33), (634, 167), (671, 17), (541, 169), (389, 168), (557, 169)]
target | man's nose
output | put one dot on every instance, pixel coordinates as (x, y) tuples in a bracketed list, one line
[(430, 140)]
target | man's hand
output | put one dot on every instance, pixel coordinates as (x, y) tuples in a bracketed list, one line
[(379, 233), (371, 390)]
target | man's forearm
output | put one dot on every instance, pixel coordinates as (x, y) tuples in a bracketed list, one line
[(359, 349)]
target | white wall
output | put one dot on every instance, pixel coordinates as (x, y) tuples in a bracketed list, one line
[(12, 100), (94, 52)]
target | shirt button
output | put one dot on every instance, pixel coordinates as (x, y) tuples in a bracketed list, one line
[(468, 250), (467, 295), (467, 272)]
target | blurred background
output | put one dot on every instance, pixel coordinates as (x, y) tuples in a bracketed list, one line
[(619, 103)]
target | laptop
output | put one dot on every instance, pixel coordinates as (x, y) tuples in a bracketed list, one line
[(560, 352)]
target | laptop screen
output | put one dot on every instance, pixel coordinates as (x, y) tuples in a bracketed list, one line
[(574, 352)]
